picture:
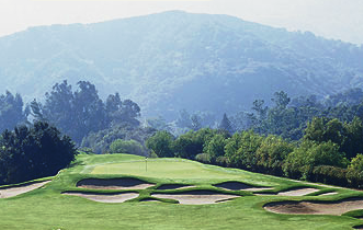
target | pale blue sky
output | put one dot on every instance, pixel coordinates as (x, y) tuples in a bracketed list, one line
[(339, 19)]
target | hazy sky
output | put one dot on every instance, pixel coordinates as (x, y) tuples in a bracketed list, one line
[(340, 19)]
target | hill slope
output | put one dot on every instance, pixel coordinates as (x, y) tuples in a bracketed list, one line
[(176, 60)]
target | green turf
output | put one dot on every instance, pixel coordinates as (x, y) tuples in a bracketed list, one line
[(46, 208)]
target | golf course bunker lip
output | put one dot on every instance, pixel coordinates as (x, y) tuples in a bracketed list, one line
[(298, 192), (329, 194), (196, 197), (238, 186), (105, 198), (150, 200), (174, 186), (316, 208), (17, 190), (114, 184), (265, 194)]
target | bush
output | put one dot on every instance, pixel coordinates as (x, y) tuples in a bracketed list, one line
[(100, 142), (127, 146), (222, 161), (160, 144), (204, 158)]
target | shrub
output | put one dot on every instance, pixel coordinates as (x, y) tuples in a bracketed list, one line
[(127, 146), (204, 158), (160, 143)]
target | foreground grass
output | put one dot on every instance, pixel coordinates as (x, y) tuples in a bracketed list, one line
[(46, 208)]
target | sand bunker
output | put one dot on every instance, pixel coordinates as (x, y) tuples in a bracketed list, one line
[(239, 186), (329, 194), (105, 198), (174, 186), (14, 191), (197, 197), (295, 192), (116, 184), (316, 208), (298, 192)]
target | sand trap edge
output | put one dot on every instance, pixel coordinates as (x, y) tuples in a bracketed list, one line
[(240, 186), (114, 183), (298, 191), (198, 197), (105, 197), (174, 186), (20, 189), (315, 207)]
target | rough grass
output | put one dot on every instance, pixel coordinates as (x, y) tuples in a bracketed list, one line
[(47, 208)]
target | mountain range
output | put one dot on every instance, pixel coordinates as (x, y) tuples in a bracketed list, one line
[(175, 60)]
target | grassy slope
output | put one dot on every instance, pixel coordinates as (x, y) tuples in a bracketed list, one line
[(46, 208)]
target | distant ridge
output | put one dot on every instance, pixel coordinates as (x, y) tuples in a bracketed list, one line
[(175, 60)]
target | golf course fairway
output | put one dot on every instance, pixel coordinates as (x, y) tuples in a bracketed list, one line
[(56, 205)]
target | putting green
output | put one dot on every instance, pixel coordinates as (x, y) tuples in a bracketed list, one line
[(176, 170)]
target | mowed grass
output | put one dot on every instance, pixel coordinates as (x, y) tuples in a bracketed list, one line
[(47, 208), (177, 171)]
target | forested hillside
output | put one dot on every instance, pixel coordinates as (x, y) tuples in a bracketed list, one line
[(174, 60)]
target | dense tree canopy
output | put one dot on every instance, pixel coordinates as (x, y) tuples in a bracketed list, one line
[(12, 111), (81, 112), (31, 152), (328, 152)]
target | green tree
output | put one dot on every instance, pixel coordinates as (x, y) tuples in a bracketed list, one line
[(215, 146), (310, 154), (357, 164), (226, 124), (161, 144), (322, 129), (247, 143), (29, 153), (81, 112), (272, 152), (127, 146), (353, 136), (12, 112)]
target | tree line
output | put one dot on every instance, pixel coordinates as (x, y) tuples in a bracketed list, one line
[(75, 112), (32, 144), (330, 151), (283, 116)]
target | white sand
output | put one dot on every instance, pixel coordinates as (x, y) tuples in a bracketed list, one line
[(105, 198), (14, 191), (196, 199), (337, 208), (298, 192), (329, 194)]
